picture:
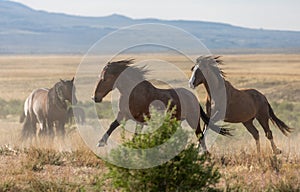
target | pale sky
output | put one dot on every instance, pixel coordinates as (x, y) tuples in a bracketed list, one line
[(266, 14)]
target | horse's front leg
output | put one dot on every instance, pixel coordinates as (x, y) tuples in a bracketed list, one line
[(60, 129), (50, 129), (208, 111), (201, 138), (112, 127)]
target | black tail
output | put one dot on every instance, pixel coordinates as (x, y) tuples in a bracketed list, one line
[(28, 131), (218, 129), (280, 124)]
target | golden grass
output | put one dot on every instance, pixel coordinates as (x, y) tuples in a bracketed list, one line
[(277, 76)]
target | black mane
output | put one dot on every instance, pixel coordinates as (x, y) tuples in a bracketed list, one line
[(117, 67), (212, 62)]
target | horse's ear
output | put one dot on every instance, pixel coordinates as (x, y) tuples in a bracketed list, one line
[(72, 80), (62, 81)]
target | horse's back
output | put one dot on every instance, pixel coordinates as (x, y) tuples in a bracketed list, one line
[(40, 95), (244, 104)]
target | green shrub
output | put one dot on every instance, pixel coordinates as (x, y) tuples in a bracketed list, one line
[(187, 171)]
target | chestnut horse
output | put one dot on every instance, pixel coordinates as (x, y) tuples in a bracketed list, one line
[(137, 94), (243, 105), (46, 107)]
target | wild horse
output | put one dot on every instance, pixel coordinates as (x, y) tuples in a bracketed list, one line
[(242, 105), (46, 107), (137, 94)]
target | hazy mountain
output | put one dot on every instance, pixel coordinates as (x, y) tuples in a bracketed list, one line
[(24, 30)]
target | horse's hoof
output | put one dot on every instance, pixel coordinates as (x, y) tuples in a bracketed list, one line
[(101, 143), (277, 151)]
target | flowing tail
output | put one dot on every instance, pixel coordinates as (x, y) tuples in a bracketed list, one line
[(280, 124), (28, 131), (218, 129)]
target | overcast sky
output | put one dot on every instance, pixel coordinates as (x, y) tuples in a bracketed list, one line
[(267, 14)]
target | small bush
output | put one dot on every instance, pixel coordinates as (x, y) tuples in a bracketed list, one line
[(187, 171), (37, 185), (84, 158), (38, 158)]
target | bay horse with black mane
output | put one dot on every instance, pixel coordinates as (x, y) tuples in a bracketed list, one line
[(137, 94), (46, 107), (243, 105)]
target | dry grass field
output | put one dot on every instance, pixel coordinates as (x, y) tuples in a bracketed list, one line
[(71, 166)]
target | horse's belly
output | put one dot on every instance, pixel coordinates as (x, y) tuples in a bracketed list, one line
[(57, 115), (239, 113)]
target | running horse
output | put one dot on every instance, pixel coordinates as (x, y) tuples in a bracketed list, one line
[(137, 94), (243, 105), (46, 107)]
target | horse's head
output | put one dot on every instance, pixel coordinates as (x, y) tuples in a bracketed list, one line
[(108, 77), (197, 77), (205, 67), (66, 91)]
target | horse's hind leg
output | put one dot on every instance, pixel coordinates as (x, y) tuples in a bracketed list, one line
[(60, 129), (43, 129), (50, 131), (254, 132), (264, 122)]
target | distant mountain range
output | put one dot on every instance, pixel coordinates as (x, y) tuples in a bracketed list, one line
[(27, 31)]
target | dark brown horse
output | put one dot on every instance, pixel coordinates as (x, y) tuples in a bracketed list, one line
[(243, 105), (46, 107), (137, 94)]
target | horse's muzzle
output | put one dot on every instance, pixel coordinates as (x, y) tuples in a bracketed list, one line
[(97, 99)]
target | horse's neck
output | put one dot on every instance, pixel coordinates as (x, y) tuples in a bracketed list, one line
[(217, 95), (55, 100), (126, 84), (215, 88)]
